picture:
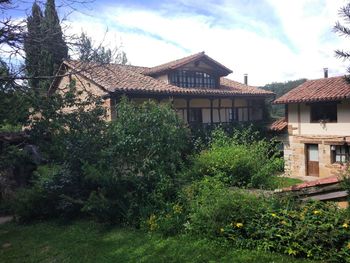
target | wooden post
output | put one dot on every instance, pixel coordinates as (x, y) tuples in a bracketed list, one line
[(219, 110), (188, 110), (211, 111), (249, 106), (233, 110)]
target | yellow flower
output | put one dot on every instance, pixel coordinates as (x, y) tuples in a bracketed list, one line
[(239, 225), (177, 209), (283, 222), (273, 215), (316, 212), (152, 222), (348, 246), (345, 225), (222, 230)]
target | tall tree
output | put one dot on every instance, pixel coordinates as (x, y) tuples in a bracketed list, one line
[(33, 46), (88, 53), (54, 48)]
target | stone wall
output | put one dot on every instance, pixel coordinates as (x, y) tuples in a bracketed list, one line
[(295, 156)]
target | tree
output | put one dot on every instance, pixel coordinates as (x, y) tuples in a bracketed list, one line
[(11, 94), (88, 53), (281, 88), (343, 30), (33, 46), (54, 48)]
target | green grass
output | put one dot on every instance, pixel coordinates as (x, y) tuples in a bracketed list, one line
[(281, 182), (91, 242)]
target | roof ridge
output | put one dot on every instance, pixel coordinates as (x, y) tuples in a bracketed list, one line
[(183, 61), (323, 89)]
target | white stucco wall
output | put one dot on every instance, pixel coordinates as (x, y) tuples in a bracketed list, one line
[(304, 127)]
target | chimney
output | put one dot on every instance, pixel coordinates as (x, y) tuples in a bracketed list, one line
[(325, 72), (246, 79)]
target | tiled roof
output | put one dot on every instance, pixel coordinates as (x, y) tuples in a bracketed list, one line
[(279, 125), (326, 89), (318, 182), (132, 79), (183, 61)]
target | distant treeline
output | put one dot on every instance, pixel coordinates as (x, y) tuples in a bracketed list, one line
[(281, 88)]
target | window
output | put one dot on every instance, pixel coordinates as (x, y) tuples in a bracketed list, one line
[(229, 116), (191, 79), (196, 115), (340, 153), (242, 114), (323, 112)]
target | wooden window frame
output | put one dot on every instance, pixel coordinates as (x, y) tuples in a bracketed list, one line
[(346, 154), (193, 79), (316, 108), (198, 113)]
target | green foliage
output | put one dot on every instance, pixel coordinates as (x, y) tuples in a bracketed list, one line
[(44, 46), (33, 45), (212, 205), (345, 183), (11, 94), (281, 88), (240, 160), (88, 53), (116, 172), (316, 230), (250, 220), (140, 163)]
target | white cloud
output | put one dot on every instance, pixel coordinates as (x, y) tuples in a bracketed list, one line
[(152, 37)]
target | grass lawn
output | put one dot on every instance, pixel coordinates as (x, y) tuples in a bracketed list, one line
[(281, 182), (91, 242)]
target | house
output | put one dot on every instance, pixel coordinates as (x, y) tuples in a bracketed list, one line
[(317, 127), (195, 85)]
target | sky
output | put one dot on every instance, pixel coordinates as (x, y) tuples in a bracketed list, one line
[(270, 40)]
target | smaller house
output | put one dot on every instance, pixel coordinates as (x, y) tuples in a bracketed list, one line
[(316, 127)]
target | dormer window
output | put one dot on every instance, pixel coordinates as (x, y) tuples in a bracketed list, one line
[(192, 79)]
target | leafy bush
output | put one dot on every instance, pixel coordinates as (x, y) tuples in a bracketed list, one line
[(211, 205), (316, 230), (204, 207), (345, 176), (239, 160), (144, 153), (54, 192), (117, 172)]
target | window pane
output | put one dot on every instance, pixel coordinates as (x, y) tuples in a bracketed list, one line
[(324, 112), (337, 158), (313, 153)]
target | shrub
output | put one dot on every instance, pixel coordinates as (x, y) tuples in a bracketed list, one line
[(116, 173), (144, 153), (204, 207), (212, 205), (54, 192), (239, 161), (316, 230)]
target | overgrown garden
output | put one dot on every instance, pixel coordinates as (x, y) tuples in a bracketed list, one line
[(146, 169), (141, 171)]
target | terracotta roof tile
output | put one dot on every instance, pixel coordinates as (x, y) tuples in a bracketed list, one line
[(326, 89), (125, 78), (279, 125), (183, 61), (319, 182)]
